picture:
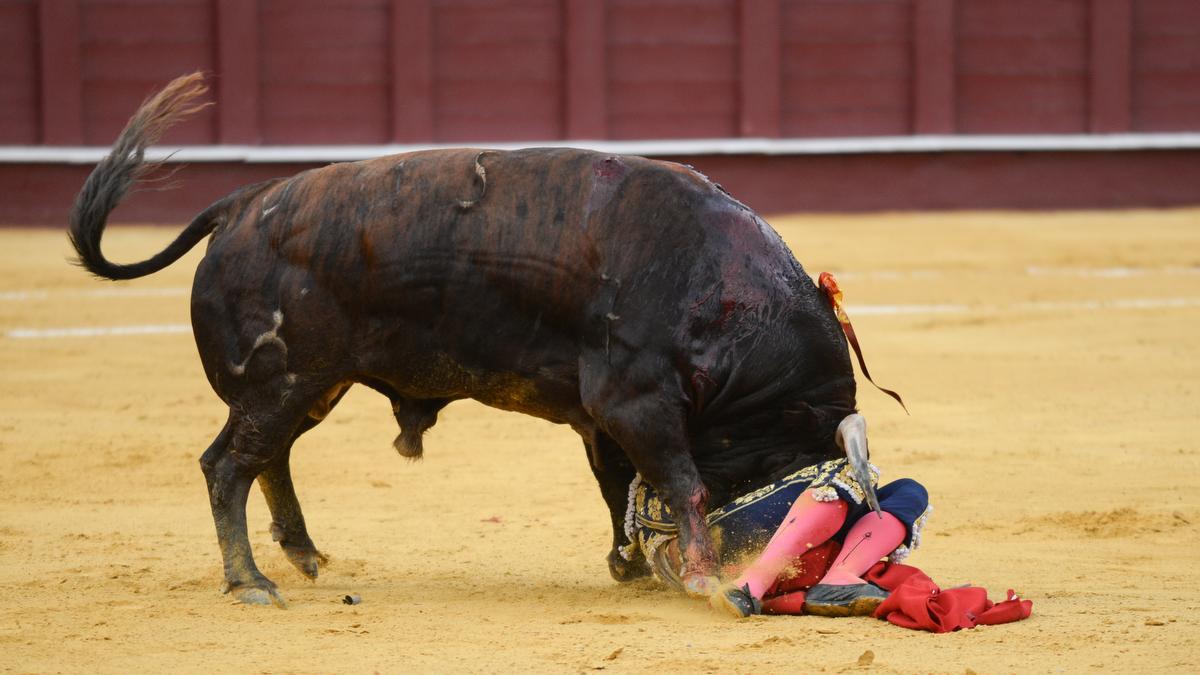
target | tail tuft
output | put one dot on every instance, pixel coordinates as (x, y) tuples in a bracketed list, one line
[(125, 164)]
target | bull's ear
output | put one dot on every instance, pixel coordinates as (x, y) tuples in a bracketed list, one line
[(800, 417)]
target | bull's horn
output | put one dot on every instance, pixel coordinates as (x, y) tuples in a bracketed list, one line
[(852, 439)]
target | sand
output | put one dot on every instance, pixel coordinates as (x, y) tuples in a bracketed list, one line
[(1049, 360)]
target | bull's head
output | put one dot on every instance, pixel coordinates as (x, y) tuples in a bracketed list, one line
[(852, 439)]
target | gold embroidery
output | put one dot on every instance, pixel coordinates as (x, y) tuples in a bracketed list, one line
[(828, 481)]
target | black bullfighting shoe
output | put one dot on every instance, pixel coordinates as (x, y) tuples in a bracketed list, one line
[(735, 601), (851, 600)]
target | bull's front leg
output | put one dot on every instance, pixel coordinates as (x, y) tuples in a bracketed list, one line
[(648, 423), (678, 481)]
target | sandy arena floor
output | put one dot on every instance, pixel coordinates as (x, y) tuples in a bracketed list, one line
[(1050, 362)]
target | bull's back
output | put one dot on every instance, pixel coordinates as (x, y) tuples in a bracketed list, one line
[(485, 273)]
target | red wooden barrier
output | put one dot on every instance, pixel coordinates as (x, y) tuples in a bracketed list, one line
[(1022, 66), (1166, 65), (378, 71), (586, 69), (127, 50), (58, 42), (20, 106), (1111, 35), (412, 71), (847, 68), (933, 71), (238, 85), (759, 75), (473, 71)]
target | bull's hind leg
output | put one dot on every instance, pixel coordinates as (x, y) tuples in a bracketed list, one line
[(287, 520), (228, 487), (614, 473), (253, 438)]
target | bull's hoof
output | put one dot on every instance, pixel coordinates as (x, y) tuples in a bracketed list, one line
[(307, 560), (259, 592), (699, 585), (624, 570)]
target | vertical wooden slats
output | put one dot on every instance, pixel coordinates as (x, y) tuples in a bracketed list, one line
[(933, 66), (846, 67), (1165, 70), (759, 107), (61, 78), (584, 42), (1111, 41), (1021, 66), (20, 109), (412, 71), (672, 68), (499, 70), (238, 85), (626, 69)]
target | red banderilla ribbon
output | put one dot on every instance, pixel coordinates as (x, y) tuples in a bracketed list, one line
[(830, 286)]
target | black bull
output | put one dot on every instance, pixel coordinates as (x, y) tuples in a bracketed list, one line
[(632, 299)]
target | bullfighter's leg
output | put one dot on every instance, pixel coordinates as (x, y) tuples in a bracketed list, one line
[(614, 472), (809, 522), (648, 424)]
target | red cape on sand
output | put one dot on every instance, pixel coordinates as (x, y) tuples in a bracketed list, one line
[(915, 602)]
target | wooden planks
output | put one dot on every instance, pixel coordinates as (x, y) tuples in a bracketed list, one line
[(128, 50), (498, 70), (411, 53), (473, 71), (846, 67), (1022, 66), (20, 106), (586, 69), (1165, 69), (933, 67), (672, 68), (61, 90), (1111, 41), (326, 71), (759, 78), (238, 85)]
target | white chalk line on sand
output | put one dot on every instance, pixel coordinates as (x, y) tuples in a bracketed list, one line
[(26, 295), (97, 331), (1049, 306), (853, 310), (1111, 272), (1031, 271)]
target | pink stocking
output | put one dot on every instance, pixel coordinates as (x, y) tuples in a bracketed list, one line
[(870, 539), (807, 524)]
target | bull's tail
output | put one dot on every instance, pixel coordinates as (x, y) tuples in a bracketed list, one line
[(123, 167)]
